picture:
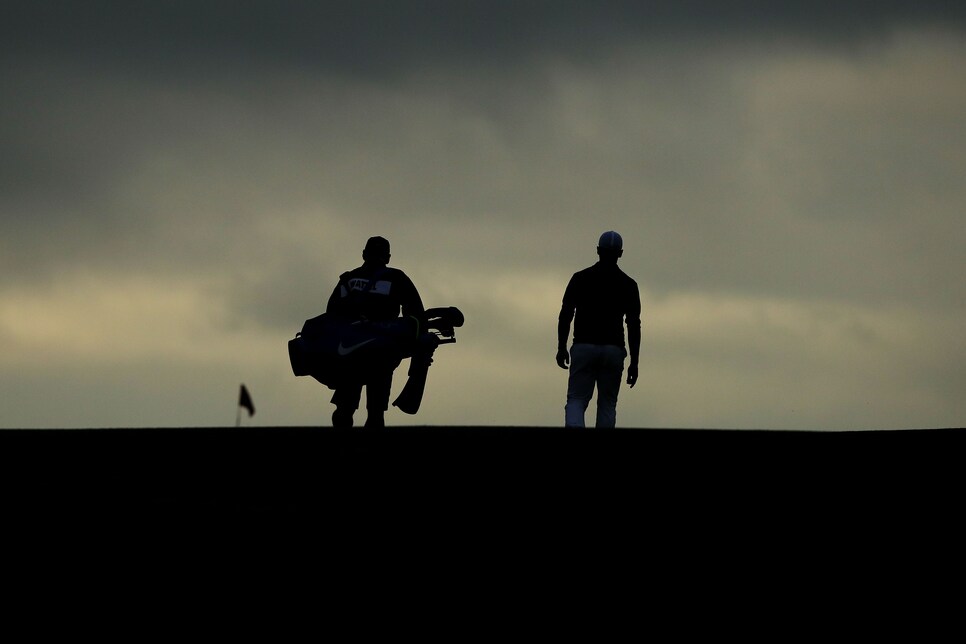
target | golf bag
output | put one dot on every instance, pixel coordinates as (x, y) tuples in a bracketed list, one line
[(335, 350)]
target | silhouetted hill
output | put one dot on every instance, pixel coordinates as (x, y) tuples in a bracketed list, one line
[(772, 529), (479, 469)]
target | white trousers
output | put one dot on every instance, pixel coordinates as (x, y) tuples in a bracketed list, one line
[(594, 365)]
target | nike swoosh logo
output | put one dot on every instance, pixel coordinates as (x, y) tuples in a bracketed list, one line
[(343, 351)]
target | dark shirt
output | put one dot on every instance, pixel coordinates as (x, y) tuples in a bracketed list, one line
[(600, 300), (374, 292)]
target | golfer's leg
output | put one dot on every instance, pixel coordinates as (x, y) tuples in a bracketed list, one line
[(609, 385), (580, 386)]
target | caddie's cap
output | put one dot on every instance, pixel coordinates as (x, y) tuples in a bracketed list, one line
[(377, 246), (610, 241)]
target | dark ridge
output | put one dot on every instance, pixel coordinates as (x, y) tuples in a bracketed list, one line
[(304, 470), (706, 523)]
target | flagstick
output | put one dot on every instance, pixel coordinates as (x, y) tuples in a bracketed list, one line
[(238, 417)]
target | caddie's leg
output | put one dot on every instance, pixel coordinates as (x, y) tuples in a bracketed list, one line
[(376, 419), (342, 417), (346, 401), (378, 388)]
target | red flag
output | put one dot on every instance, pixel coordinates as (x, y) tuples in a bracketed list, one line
[(245, 400)]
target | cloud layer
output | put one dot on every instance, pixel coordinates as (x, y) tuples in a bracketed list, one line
[(180, 189)]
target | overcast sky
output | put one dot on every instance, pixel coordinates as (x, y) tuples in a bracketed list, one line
[(182, 182)]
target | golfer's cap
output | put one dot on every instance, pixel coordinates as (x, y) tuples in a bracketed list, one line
[(610, 241)]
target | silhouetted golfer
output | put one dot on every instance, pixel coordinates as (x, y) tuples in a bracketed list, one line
[(376, 293), (599, 300)]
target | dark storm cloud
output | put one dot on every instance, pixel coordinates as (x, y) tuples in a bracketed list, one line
[(385, 35)]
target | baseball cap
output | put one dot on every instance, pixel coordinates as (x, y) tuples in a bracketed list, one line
[(610, 241)]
